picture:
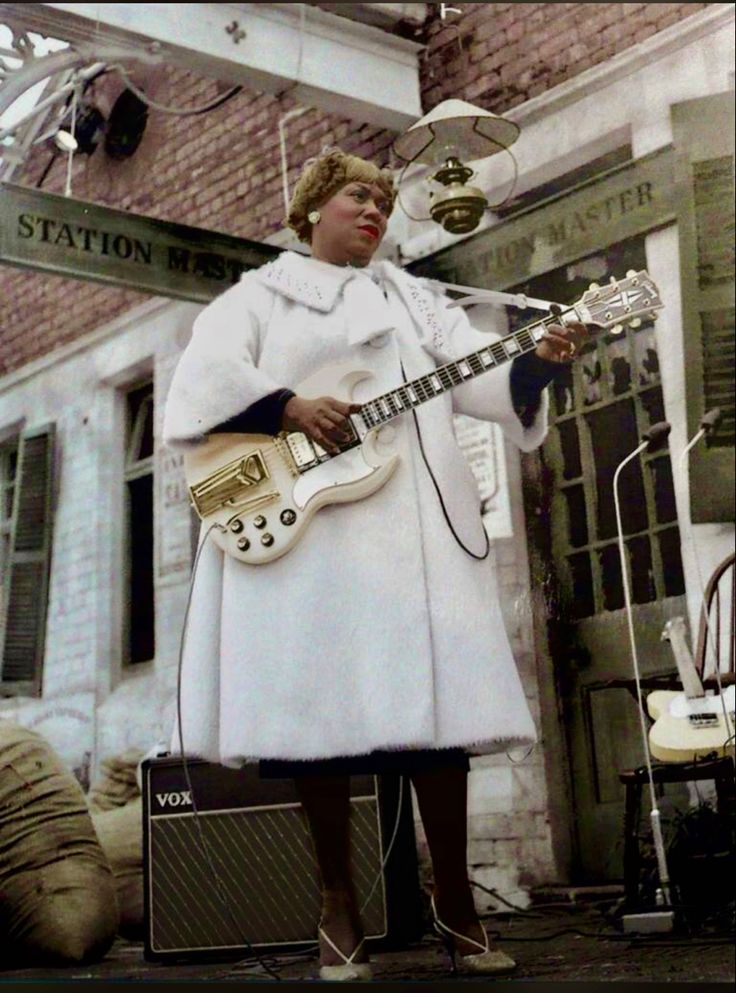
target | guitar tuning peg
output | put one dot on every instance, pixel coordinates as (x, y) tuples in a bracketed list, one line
[(630, 273), (636, 323), (594, 286), (617, 329), (613, 281)]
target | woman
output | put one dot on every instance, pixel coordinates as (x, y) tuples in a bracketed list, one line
[(378, 641)]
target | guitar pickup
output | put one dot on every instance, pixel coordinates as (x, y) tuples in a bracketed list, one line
[(703, 720), (229, 486)]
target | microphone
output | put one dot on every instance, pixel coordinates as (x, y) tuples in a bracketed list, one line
[(656, 436), (711, 419), (708, 422)]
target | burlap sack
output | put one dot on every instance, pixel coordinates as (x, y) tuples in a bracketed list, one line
[(57, 891), (120, 831), (116, 783)]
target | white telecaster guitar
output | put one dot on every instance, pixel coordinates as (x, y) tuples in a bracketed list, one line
[(689, 724), (260, 491)]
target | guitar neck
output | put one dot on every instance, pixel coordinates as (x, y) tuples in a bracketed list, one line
[(446, 377), (683, 659)]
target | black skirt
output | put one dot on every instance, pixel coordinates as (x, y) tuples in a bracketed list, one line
[(403, 763)]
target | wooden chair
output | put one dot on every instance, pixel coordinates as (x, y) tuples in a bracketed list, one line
[(715, 644)]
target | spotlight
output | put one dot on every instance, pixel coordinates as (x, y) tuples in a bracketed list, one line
[(89, 126), (65, 141)]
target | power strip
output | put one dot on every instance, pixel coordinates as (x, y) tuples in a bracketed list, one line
[(655, 922)]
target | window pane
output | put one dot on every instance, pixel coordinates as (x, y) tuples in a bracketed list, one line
[(591, 371), (583, 604), (613, 437), (664, 490), (613, 591), (653, 403), (564, 396), (618, 362), (643, 588), (141, 594), (577, 518), (140, 421), (645, 356), (570, 447), (669, 549), (7, 510)]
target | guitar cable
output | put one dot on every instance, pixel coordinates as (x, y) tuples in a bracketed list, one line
[(438, 491), (203, 844)]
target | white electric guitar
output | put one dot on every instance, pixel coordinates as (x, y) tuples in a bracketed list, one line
[(259, 492), (689, 724)]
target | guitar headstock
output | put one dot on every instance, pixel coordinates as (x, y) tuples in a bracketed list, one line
[(621, 302)]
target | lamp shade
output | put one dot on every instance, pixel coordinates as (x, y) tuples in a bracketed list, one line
[(476, 133)]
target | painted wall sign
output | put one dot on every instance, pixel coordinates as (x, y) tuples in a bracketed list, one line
[(628, 200), (67, 237)]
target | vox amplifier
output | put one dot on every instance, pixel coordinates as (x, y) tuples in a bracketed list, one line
[(240, 872)]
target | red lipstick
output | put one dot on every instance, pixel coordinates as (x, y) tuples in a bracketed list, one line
[(370, 229)]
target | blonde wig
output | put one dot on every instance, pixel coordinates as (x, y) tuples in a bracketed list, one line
[(324, 176)]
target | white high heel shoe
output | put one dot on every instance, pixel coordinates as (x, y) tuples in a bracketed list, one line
[(348, 970), (487, 961)]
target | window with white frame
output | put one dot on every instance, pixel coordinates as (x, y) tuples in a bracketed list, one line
[(140, 608)]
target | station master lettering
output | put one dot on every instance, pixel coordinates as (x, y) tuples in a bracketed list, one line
[(57, 234), (209, 265), (558, 232)]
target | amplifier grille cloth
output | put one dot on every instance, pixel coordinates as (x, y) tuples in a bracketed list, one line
[(268, 887)]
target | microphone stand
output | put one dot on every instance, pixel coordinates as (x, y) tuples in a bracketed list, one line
[(653, 439)]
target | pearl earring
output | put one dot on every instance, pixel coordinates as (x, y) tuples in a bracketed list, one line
[(314, 216)]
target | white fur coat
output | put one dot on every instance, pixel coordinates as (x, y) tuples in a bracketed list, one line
[(377, 631)]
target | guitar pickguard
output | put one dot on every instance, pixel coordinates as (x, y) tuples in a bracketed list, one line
[(350, 469)]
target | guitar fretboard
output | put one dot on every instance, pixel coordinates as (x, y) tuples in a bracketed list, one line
[(445, 377)]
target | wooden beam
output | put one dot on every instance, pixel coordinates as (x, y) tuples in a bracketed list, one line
[(350, 69)]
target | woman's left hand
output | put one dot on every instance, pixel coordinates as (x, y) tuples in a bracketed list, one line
[(562, 342)]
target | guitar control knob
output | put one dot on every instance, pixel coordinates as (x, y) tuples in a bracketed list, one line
[(236, 526), (288, 516), (267, 539), (259, 522), (243, 544)]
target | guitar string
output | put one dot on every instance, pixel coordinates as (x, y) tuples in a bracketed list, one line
[(423, 382), (438, 491)]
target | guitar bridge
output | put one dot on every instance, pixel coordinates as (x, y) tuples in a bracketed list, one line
[(230, 486)]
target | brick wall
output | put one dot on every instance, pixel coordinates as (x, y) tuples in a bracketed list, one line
[(222, 170)]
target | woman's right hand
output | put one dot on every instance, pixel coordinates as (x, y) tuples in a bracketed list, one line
[(324, 420)]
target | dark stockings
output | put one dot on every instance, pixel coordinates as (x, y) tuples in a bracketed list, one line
[(326, 802), (442, 797)]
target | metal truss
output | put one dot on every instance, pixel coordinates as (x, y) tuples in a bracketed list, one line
[(65, 73)]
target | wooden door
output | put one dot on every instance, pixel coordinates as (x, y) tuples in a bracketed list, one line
[(600, 407)]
